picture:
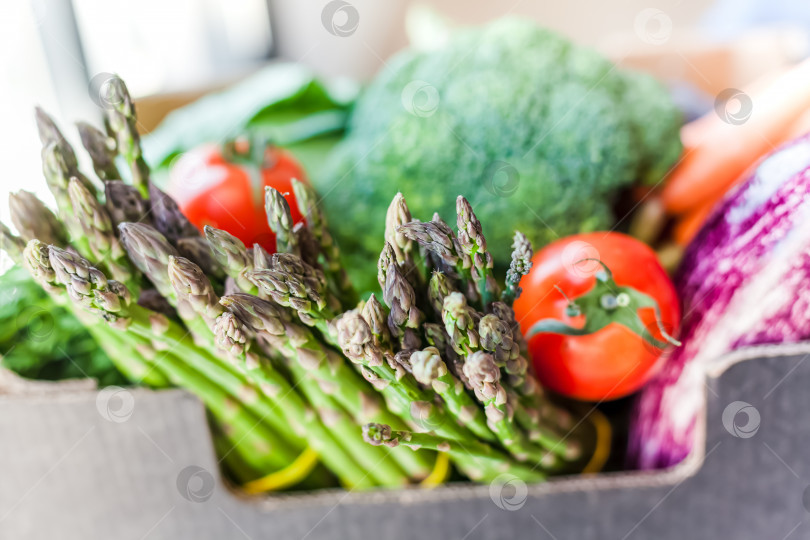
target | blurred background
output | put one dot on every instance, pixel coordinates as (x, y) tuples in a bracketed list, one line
[(52, 52)]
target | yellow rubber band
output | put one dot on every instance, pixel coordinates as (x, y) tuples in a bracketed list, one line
[(439, 474), (603, 436), (286, 477)]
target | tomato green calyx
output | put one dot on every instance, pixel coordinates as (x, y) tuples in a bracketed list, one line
[(607, 303)]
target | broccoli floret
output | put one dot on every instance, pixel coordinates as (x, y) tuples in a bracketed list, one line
[(539, 134)]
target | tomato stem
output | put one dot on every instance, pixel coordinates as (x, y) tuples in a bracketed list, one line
[(607, 303)]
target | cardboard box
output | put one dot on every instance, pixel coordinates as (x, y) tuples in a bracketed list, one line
[(76, 467)]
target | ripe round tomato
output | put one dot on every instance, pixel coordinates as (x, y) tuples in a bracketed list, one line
[(613, 361), (228, 192)]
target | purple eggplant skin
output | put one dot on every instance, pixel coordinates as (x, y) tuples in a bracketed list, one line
[(744, 280)]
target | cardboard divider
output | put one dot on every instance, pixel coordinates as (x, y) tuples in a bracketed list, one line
[(133, 463)]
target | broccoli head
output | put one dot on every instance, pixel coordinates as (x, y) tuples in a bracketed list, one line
[(539, 134)]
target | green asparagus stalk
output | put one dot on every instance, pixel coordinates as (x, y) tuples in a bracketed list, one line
[(381, 434), (307, 245), (474, 245), (451, 260), (167, 217), (232, 337), (305, 294), (97, 227), (405, 317), (10, 244), (437, 337), (34, 220), (520, 266), (50, 135), (429, 369), (57, 175), (120, 118), (149, 251), (280, 220), (89, 288), (196, 249), (307, 201), (125, 204), (101, 149), (398, 214), (298, 343), (375, 315), (232, 256)]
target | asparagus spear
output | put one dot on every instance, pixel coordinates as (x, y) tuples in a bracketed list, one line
[(520, 266), (398, 214), (280, 220), (405, 317), (167, 217), (307, 245), (376, 317), (437, 337), (232, 256), (97, 227), (120, 118), (439, 239), (438, 289), (297, 343), (307, 201), (50, 136), (381, 434), (429, 369), (303, 290), (101, 149), (474, 245), (124, 203), (110, 300), (261, 259), (12, 245), (196, 249), (149, 251), (34, 220), (232, 337)]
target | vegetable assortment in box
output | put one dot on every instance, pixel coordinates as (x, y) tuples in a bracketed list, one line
[(293, 369), (743, 281)]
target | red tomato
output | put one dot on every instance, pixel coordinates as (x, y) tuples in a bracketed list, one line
[(614, 361), (229, 195)]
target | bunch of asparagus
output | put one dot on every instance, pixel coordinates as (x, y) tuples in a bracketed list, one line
[(277, 346)]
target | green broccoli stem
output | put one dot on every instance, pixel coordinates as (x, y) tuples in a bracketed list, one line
[(380, 434)]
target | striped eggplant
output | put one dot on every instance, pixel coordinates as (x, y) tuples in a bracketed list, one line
[(744, 280)]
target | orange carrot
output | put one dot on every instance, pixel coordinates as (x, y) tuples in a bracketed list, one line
[(689, 225), (718, 150)]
